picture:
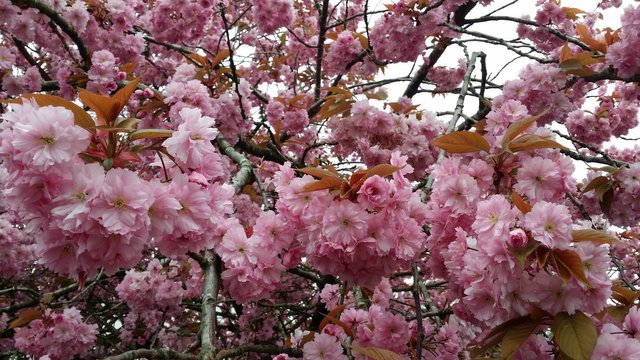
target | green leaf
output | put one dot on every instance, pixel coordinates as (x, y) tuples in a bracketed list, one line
[(515, 337), (575, 335), (150, 134), (461, 142)]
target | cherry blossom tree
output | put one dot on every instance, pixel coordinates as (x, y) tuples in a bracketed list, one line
[(203, 179)]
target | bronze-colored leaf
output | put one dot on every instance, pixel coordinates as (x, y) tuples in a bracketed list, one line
[(150, 134), (569, 259), (518, 127), (595, 236), (515, 336), (533, 142), (461, 142), (520, 203), (376, 353), (596, 183), (323, 184), (24, 318)]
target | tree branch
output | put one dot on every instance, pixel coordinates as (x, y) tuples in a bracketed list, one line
[(152, 354), (58, 20), (322, 25), (256, 348), (423, 71), (209, 299)]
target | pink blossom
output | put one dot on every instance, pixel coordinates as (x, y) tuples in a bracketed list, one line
[(123, 203), (191, 142), (375, 191), (44, 136), (549, 223), (539, 179), (344, 223), (323, 347), (518, 238)]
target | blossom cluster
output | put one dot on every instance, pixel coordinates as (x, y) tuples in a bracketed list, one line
[(95, 219), (374, 134), (57, 335), (341, 236), (623, 55)]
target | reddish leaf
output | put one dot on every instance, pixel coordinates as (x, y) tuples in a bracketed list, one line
[(319, 173), (322, 184), (332, 317), (596, 183), (572, 262), (24, 318), (595, 236), (377, 353), (333, 314), (103, 106), (520, 203), (576, 67), (220, 56), (532, 142), (623, 294), (462, 142), (122, 96), (518, 127)]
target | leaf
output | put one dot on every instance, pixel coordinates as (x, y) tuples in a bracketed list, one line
[(523, 253), (568, 260), (377, 353), (24, 318), (81, 117), (122, 96), (150, 134), (103, 106), (596, 183), (322, 184), (575, 335), (220, 56), (572, 13), (606, 200), (585, 36), (495, 336), (318, 173), (520, 203), (576, 67), (462, 142), (595, 236), (128, 123), (623, 294), (334, 109), (515, 336), (332, 317), (335, 314), (382, 170), (518, 127), (565, 53), (532, 142)]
